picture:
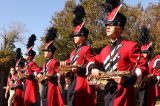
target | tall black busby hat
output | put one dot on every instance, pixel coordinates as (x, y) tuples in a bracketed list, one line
[(78, 23), (30, 45), (144, 40), (116, 18), (109, 5), (50, 36), (20, 62)]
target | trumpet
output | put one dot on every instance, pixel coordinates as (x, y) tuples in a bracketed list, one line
[(143, 82), (104, 78), (43, 77), (22, 76), (67, 68)]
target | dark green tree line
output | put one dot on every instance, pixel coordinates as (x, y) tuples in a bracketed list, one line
[(95, 17)]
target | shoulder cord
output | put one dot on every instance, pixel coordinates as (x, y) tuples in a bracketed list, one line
[(138, 58)]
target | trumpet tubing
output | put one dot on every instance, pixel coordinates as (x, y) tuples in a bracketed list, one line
[(67, 68), (102, 80)]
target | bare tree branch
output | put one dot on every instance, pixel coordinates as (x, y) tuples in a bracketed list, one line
[(11, 35)]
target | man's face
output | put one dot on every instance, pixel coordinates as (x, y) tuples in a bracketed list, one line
[(145, 55), (78, 39), (113, 31), (27, 57), (47, 54)]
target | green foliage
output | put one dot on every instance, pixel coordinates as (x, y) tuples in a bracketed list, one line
[(153, 21), (7, 59), (11, 35), (63, 22), (94, 21)]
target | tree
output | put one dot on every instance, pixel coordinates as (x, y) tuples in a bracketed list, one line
[(63, 22), (12, 34), (63, 43), (152, 19), (7, 55), (95, 22), (7, 59)]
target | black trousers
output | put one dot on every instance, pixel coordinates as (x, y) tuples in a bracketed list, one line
[(44, 94), (143, 95)]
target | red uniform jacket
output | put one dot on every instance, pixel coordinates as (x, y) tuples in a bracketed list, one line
[(54, 94), (19, 97), (84, 93), (31, 85), (152, 88), (126, 57)]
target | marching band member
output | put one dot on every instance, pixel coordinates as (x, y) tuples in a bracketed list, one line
[(11, 86), (120, 55), (51, 94), (152, 81), (80, 93), (148, 89), (31, 71), (146, 51), (19, 96)]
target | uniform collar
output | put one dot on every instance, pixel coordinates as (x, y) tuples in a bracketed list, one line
[(116, 42), (79, 46), (48, 59)]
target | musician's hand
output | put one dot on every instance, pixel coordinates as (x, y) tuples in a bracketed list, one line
[(148, 78), (74, 69), (48, 76), (118, 79), (63, 63), (6, 95), (12, 85), (95, 73), (66, 86), (39, 75), (20, 74), (26, 75)]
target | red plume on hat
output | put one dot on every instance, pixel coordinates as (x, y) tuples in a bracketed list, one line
[(114, 17), (30, 45), (50, 36), (144, 40), (113, 13), (146, 47), (78, 27)]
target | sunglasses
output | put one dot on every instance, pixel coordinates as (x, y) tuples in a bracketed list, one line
[(77, 35), (112, 23)]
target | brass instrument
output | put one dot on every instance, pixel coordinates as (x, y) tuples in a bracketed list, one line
[(67, 68), (43, 77), (143, 82), (103, 78), (21, 76)]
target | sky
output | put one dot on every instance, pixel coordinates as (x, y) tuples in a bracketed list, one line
[(36, 15)]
